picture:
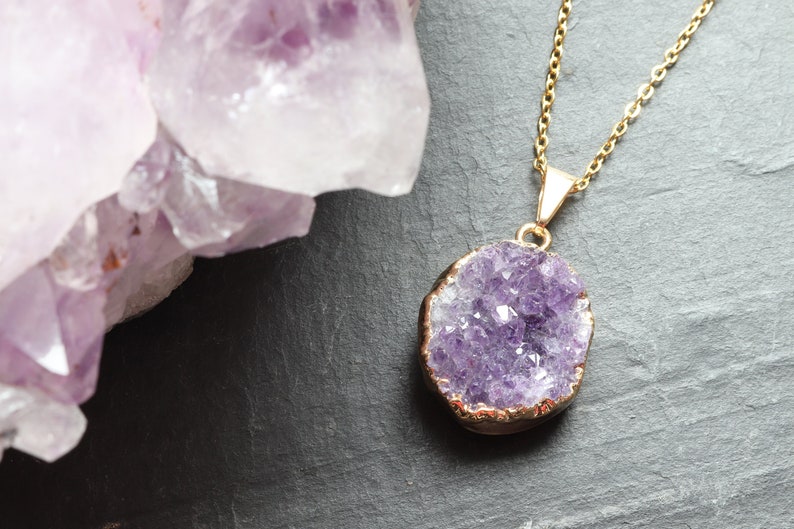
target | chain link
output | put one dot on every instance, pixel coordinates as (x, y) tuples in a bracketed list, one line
[(632, 110)]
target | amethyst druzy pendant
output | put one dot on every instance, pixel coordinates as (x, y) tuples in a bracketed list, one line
[(504, 336)]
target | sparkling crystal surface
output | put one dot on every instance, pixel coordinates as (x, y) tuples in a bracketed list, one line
[(287, 84), (510, 329)]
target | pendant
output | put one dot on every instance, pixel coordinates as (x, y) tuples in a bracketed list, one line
[(504, 333)]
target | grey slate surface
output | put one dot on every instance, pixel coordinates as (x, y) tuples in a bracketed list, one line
[(279, 388)]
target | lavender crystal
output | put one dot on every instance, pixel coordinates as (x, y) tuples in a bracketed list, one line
[(247, 109), (510, 329)]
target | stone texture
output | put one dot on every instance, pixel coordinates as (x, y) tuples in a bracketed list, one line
[(687, 410), (510, 329)]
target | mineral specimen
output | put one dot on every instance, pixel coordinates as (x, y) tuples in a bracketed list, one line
[(507, 330), (334, 87), (261, 105), (211, 215), (75, 115)]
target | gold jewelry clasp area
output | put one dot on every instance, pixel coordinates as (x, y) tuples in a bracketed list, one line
[(555, 187), (533, 228)]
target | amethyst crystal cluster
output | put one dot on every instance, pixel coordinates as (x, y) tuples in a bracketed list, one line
[(138, 134), (510, 328)]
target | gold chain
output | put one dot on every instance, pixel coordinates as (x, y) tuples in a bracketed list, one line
[(632, 110)]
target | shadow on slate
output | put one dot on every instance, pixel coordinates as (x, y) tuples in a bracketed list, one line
[(205, 405), (165, 426)]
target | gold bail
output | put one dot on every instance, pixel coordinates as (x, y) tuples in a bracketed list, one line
[(555, 188)]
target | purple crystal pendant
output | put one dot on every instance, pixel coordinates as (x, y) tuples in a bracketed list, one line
[(504, 333)]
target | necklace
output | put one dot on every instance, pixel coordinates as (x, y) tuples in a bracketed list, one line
[(505, 331)]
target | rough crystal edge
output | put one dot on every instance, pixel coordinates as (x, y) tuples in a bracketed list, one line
[(483, 419), (153, 290), (33, 423)]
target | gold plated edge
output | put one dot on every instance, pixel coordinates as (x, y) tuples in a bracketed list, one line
[(486, 419)]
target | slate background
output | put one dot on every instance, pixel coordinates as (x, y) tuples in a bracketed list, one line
[(279, 388)]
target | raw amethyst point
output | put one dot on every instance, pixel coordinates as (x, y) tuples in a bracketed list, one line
[(504, 336)]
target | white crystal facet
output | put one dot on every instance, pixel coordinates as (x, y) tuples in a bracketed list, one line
[(75, 113), (309, 95), (35, 424)]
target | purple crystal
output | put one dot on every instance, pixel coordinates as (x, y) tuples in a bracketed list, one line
[(247, 108), (510, 329)]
